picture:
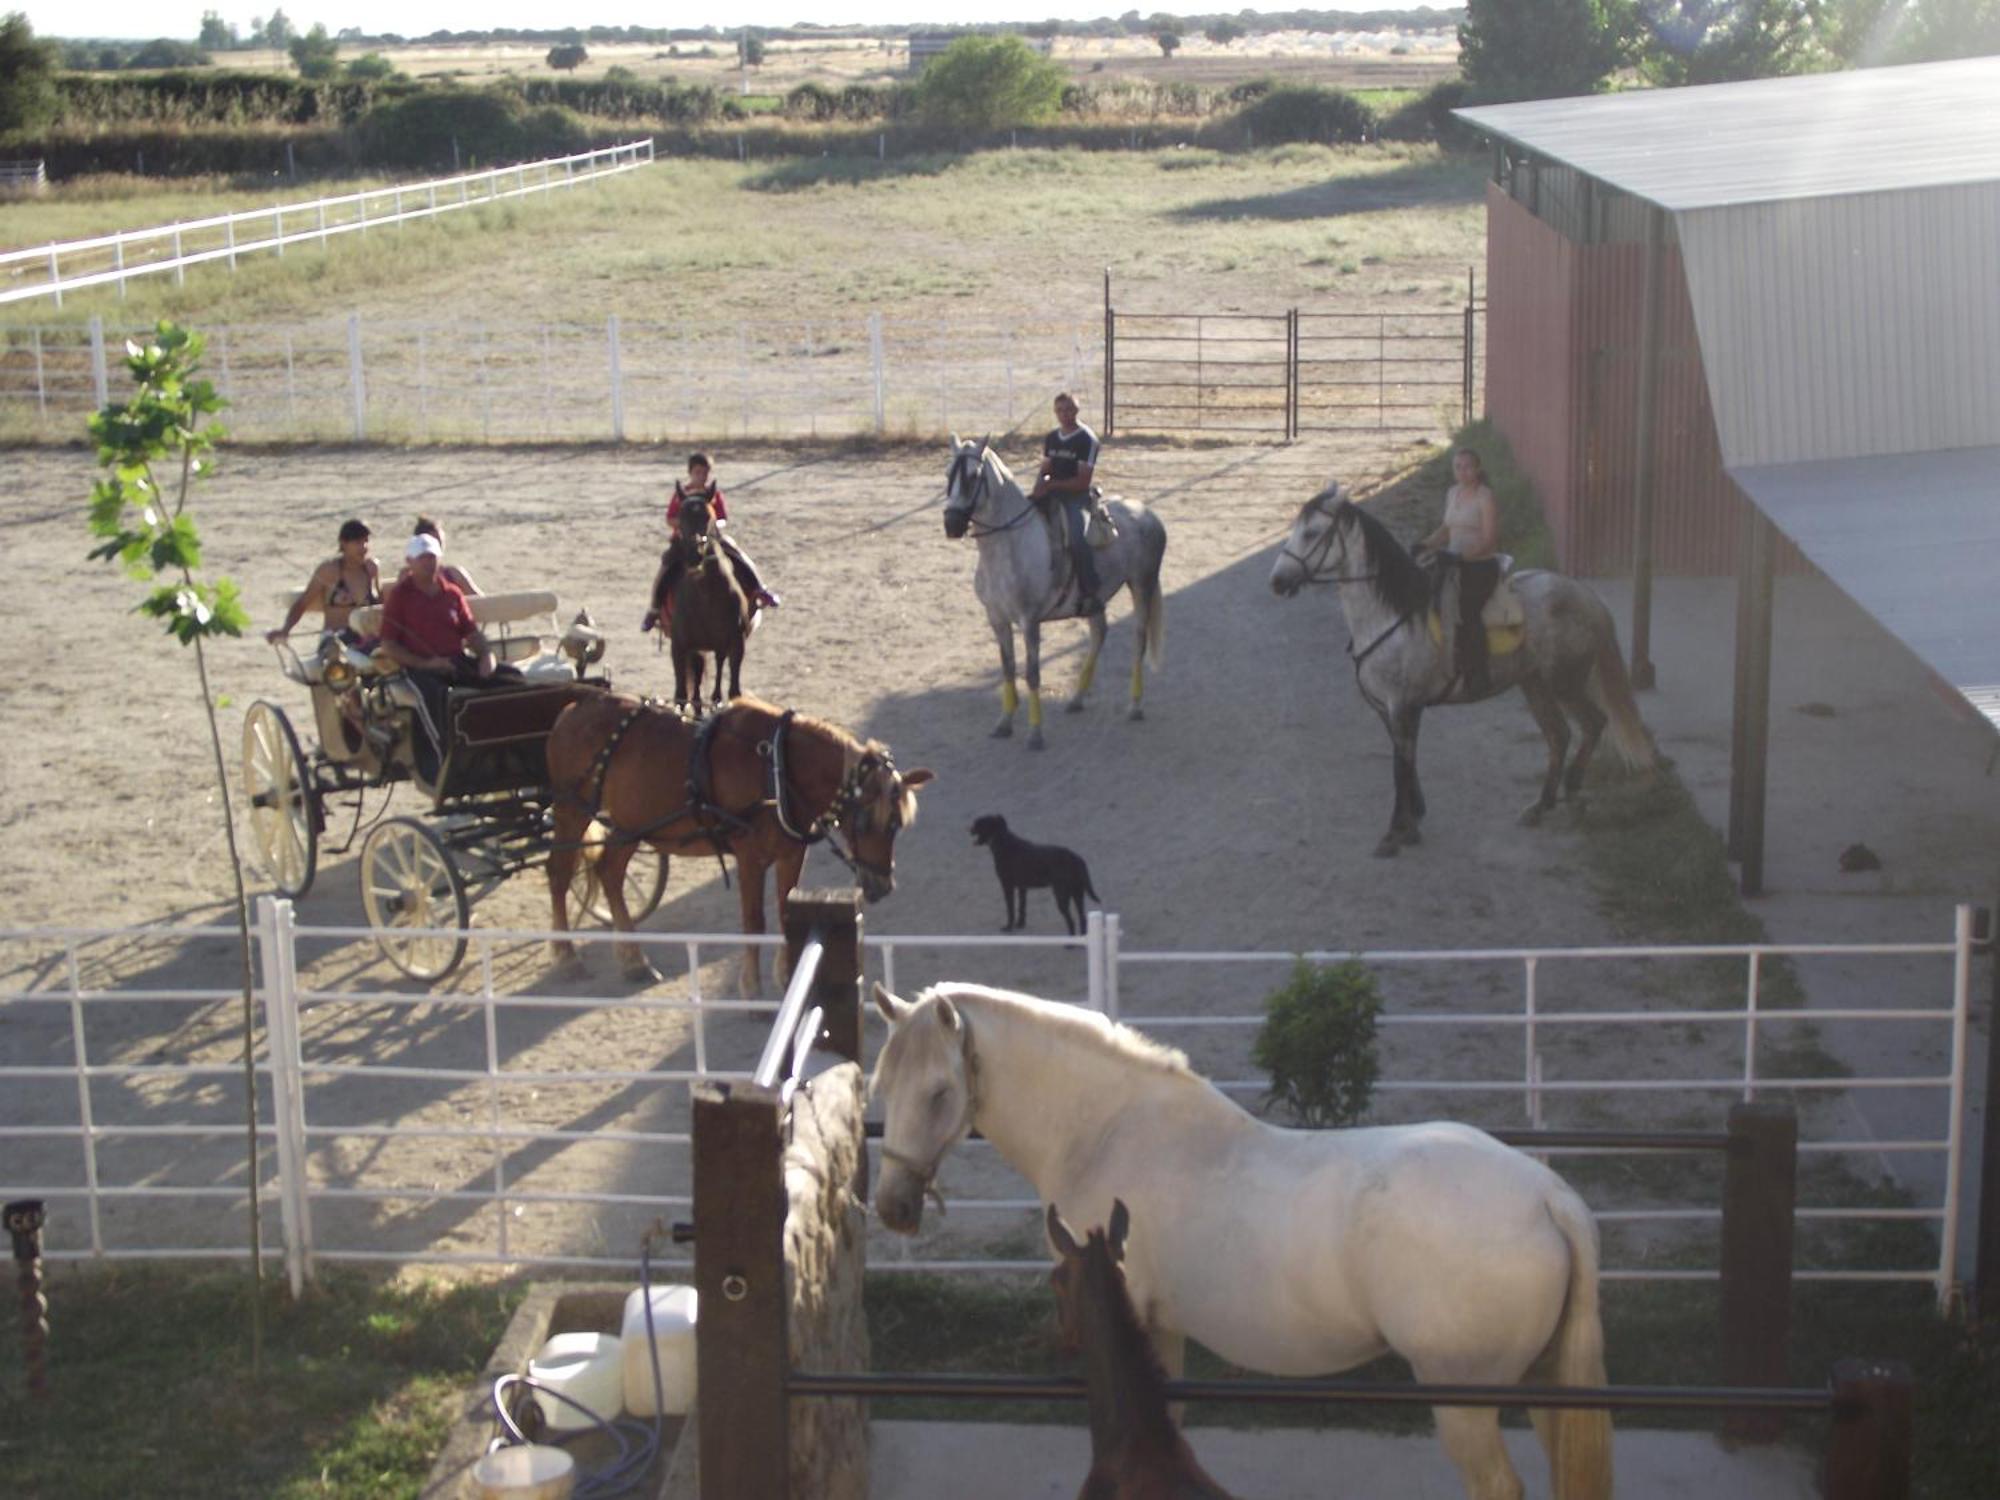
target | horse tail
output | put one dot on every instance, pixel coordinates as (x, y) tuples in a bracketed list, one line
[(1611, 690), (1153, 624), (1088, 889), (1578, 1440)]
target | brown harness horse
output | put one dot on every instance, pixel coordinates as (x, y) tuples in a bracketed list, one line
[(1136, 1451), (755, 781)]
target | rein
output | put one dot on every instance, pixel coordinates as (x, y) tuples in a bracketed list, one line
[(840, 812), (975, 528)]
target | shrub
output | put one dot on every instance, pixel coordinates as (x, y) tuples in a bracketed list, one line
[(371, 67), (1309, 113), (165, 52), (1428, 117), (1318, 1044), (811, 101), (989, 83), (567, 57), (314, 54)]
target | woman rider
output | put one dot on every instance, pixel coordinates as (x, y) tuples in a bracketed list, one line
[(1469, 538), (674, 560), (338, 587)]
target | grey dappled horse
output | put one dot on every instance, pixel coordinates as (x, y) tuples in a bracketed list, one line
[(1024, 576), (1567, 658)]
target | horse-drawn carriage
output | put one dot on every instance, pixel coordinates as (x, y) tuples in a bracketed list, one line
[(490, 805)]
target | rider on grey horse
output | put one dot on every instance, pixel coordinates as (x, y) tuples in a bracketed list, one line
[(1069, 459)]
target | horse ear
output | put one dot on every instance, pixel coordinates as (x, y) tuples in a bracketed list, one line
[(954, 442), (947, 1014), (893, 1010), (986, 443), (1121, 1225), (1060, 1237), (919, 777)]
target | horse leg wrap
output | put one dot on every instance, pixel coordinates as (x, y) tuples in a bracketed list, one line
[(1009, 699), (1083, 678), (1138, 679), (1034, 708)]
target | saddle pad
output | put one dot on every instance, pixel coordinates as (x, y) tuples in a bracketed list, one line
[(1504, 610), (1501, 640)]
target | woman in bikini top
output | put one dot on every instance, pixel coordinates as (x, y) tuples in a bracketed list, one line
[(339, 586)]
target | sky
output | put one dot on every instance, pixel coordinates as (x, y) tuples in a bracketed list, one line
[(182, 18)]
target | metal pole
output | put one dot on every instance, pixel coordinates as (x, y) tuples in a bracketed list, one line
[(279, 1001), (1759, 1191), (180, 268), (24, 1219), (617, 380), (1469, 345), (875, 366), (229, 238), (55, 274), (118, 262), (1757, 699), (837, 984), (1954, 1155), (1986, 1262), (1110, 359), (1093, 957), (1642, 455), (41, 380), (99, 375)]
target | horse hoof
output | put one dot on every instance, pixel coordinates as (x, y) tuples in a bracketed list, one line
[(1074, 706), (1004, 730), (1035, 740), (569, 965), (1134, 714), (1389, 847), (642, 973), (1413, 835), (1531, 815)]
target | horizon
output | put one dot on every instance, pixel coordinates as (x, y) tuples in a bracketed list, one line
[(132, 20)]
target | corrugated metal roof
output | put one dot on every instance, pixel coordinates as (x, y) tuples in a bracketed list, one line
[(1913, 538), (1872, 130)]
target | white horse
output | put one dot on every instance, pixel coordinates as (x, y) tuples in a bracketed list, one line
[(1024, 576), (1296, 1252)]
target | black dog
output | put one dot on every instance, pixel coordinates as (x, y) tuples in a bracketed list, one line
[(1023, 867)]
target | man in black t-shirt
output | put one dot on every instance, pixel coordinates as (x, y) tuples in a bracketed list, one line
[(1069, 459)]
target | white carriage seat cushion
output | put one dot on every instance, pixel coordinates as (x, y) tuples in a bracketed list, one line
[(487, 609), (548, 666)]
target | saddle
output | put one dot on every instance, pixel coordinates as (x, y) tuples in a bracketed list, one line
[(1504, 616)]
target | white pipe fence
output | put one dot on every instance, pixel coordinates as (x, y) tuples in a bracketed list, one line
[(108, 259), (497, 1156), (624, 379)]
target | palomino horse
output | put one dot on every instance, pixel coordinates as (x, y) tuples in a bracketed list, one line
[(1564, 655), (1136, 1452), (1024, 576), (1296, 1252), (758, 782), (710, 613)]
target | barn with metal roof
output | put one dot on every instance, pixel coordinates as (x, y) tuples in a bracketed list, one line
[(1756, 326)]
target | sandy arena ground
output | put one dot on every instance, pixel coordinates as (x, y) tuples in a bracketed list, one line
[(1240, 815)]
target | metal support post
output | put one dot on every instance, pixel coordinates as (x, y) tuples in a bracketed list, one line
[(1642, 457), (876, 371), (837, 986), (617, 380), (356, 381), (24, 1219), (100, 374)]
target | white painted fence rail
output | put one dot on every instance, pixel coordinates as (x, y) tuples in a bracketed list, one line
[(623, 379), (116, 258), (336, 1059)]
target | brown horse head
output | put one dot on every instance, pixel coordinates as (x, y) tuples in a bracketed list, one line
[(875, 803), (1089, 1273)]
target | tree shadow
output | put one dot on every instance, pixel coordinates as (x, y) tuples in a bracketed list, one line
[(796, 174), (1412, 185)]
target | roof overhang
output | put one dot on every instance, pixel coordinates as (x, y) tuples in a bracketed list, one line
[(1914, 539)]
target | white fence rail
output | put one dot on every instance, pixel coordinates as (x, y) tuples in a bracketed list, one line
[(394, 1083), (359, 380), (108, 259)]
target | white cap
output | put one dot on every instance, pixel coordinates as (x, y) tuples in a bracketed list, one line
[(419, 545)]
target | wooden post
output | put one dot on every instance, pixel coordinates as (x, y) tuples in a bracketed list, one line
[(1759, 1191), (837, 988), (1642, 471), (1869, 1449), (739, 1276)]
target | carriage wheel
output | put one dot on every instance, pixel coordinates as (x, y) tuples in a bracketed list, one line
[(645, 884), (283, 827), (408, 879)]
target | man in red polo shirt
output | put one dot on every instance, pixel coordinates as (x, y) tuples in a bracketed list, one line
[(428, 630)]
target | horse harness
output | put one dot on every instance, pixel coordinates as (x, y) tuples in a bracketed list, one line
[(926, 1172), (975, 487)]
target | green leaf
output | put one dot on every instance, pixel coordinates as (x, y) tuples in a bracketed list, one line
[(176, 545)]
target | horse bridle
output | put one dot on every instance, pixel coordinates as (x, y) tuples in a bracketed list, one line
[(976, 488), (926, 1172), (1310, 561), (846, 806)]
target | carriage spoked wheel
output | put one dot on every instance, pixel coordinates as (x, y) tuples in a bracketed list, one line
[(408, 880), (283, 828), (645, 882)]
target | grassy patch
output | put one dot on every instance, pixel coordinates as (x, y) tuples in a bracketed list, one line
[(154, 1396)]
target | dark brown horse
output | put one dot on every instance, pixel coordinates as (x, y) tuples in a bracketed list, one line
[(710, 612), (1136, 1451), (754, 781)]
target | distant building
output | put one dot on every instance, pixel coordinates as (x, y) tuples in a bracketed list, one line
[(925, 45)]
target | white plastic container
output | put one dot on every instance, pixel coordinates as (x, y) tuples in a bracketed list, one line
[(587, 1367), (673, 1336), (527, 1471)]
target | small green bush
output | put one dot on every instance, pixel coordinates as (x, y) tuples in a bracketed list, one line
[(1428, 117), (1309, 113), (1318, 1044)]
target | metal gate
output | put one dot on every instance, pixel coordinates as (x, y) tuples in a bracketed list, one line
[(1281, 374)]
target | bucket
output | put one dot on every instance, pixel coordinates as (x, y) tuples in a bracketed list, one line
[(673, 1336), (527, 1471), (585, 1367)]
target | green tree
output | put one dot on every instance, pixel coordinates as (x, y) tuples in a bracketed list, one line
[(217, 35), (168, 52), (1723, 41), (1318, 1044), (155, 447), (279, 30), (1540, 49), (750, 47), (1224, 31), (27, 76), (1169, 42), (567, 57), (989, 83), (316, 55), (1940, 29), (370, 67)]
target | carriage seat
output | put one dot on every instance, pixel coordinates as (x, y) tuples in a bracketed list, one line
[(496, 615)]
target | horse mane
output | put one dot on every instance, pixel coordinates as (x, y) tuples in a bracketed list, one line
[(1398, 582), (1076, 1027)]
